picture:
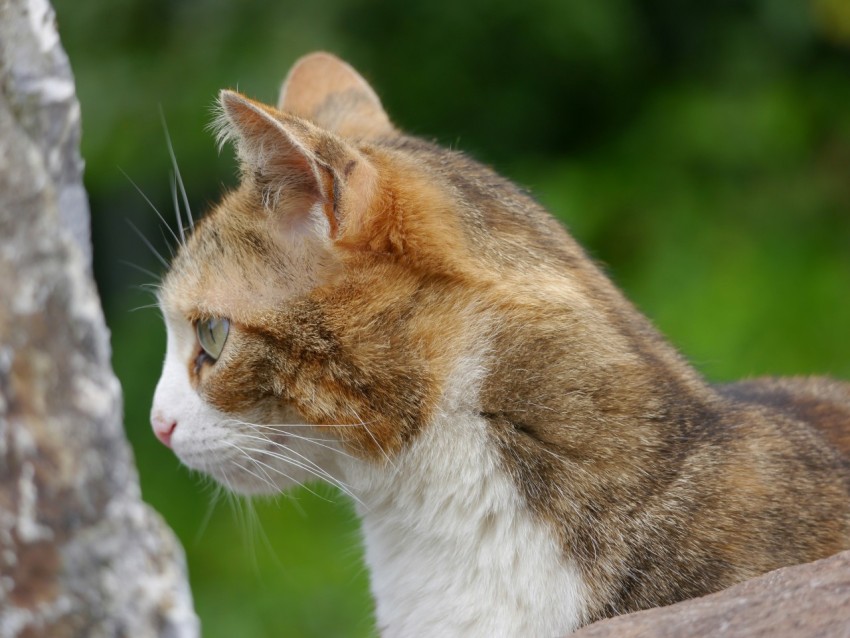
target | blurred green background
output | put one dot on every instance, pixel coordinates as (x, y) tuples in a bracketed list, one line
[(700, 150)]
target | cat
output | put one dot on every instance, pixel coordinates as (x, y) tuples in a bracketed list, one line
[(526, 452)]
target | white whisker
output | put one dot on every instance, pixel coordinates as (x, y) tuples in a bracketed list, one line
[(144, 271), (233, 500), (177, 206), (285, 475), (282, 430), (312, 468), (148, 244), (260, 478), (308, 425), (259, 463), (167, 245), (265, 479), (320, 443), (155, 209), (369, 432), (205, 521), (145, 307), (176, 170)]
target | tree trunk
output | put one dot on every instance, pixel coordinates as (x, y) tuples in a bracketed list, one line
[(80, 553)]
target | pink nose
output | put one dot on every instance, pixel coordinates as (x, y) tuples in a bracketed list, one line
[(163, 428)]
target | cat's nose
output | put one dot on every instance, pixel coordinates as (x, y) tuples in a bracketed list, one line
[(163, 428)]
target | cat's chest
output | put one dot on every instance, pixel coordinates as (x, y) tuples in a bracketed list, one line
[(452, 549)]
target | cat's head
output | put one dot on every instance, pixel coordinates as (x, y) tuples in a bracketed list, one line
[(308, 313), (351, 288)]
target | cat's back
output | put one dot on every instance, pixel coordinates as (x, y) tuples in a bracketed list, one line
[(820, 402)]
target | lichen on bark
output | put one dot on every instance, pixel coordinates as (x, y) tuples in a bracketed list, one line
[(80, 553)]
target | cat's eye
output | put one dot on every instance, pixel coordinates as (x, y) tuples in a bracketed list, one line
[(212, 334)]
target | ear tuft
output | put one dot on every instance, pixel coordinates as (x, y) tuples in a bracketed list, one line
[(243, 122), (328, 91), (221, 126)]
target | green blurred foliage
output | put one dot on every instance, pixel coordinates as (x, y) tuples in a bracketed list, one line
[(701, 151)]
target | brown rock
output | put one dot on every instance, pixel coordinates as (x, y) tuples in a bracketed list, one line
[(80, 553), (804, 601)]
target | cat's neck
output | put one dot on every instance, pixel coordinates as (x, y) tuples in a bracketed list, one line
[(452, 537), (451, 545)]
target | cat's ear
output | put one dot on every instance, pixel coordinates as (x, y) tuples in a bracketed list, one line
[(327, 91), (298, 168)]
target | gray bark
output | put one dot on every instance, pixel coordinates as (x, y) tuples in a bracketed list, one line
[(80, 553)]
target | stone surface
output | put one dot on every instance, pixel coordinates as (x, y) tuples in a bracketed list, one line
[(805, 601), (80, 553)]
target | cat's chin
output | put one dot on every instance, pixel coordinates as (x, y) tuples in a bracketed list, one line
[(237, 480), (232, 475), (250, 486)]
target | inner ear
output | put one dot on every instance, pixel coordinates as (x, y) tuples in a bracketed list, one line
[(269, 151), (291, 159), (329, 92)]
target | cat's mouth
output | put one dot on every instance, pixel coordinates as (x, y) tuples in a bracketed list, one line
[(254, 459)]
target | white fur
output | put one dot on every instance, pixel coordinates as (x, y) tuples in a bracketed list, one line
[(452, 547)]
